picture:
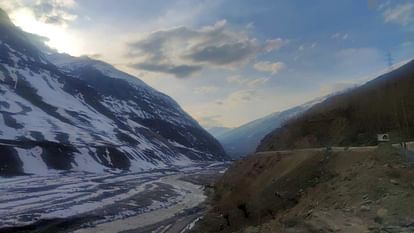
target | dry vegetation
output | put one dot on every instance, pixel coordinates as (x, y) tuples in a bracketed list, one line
[(361, 190), (384, 105)]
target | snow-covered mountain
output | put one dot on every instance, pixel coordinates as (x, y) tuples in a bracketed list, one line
[(65, 113), (243, 140)]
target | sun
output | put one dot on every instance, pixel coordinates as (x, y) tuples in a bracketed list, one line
[(58, 35)]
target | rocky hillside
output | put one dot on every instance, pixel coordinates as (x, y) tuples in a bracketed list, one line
[(354, 118), (63, 113), (302, 191)]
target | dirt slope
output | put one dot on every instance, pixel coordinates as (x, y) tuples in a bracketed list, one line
[(354, 118), (369, 190)]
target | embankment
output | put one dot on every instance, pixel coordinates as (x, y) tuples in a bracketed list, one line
[(368, 190)]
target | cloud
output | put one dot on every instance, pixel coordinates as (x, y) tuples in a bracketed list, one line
[(246, 91), (240, 98), (235, 79), (223, 55), (95, 55), (402, 14), (184, 51), (340, 36), (275, 44), (246, 82), (266, 66), (250, 25), (257, 82), (57, 12), (209, 121), (206, 89), (40, 42), (180, 71)]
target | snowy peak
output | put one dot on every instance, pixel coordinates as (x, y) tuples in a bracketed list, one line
[(70, 64)]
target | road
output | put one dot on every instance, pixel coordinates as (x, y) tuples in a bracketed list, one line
[(409, 152)]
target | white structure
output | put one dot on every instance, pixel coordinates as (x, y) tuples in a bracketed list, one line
[(383, 137)]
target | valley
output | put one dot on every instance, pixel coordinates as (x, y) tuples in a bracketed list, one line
[(109, 202), (206, 116)]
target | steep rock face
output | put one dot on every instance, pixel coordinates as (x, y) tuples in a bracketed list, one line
[(65, 113)]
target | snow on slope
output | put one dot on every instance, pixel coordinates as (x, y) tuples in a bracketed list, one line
[(85, 115), (70, 63)]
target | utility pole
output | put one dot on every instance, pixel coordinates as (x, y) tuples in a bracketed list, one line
[(403, 123), (399, 104)]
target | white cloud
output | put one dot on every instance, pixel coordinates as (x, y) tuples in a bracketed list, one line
[(59, 12), (50, 19), (247, 82), (240, 97), (235, 79), (340, 36), (266, 66), (184, 51), (401, 14), (257, 82), (275, 44), (250, 25), (208, 120), (336, 35)]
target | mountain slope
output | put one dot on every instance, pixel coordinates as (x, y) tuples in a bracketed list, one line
[(86, 115), (244, 140), (217, 131), (303, 191), (354, 118)]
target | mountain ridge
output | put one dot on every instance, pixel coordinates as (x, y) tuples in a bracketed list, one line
[(243, 140), (354, 118), (93, 121)]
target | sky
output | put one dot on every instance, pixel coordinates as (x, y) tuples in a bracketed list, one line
[(228, 62)]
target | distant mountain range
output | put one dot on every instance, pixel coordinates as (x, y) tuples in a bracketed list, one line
[(243, 140), (218, 131), (355, 117), (59, 112)]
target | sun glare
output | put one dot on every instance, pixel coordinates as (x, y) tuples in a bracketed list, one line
[(58, 37)]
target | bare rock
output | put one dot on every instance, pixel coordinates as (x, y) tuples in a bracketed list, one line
[(394, 182), (382, 212), (365, 208)]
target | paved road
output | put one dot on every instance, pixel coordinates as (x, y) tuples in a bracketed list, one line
[(409, 152), (337, 149)]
